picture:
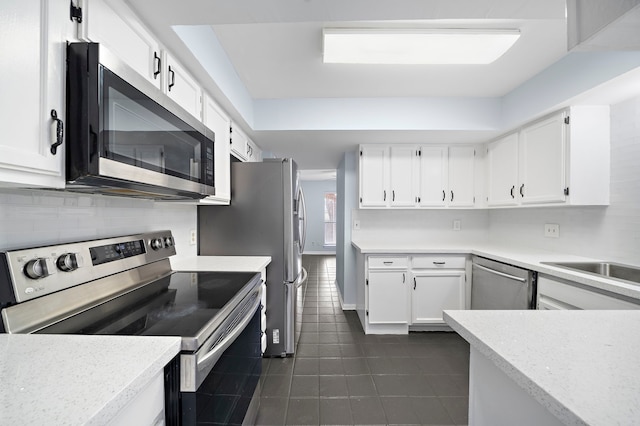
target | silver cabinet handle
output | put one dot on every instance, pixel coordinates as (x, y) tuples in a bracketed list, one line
[(439, 263), (513, 189), (387, 262), (384, 195), (403, 277), (414, 283), (444, 195), (451, 195), (522, 190)]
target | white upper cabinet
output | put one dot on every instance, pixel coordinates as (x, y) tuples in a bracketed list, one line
[(403, 171), (542, 152), (502, 165), (218, 121), (433, 176), (33, 35), (113, 24), (373, 175), (243, 148), (254, 153), (182, 88), (410, 176), (461, 176), (561, 159)]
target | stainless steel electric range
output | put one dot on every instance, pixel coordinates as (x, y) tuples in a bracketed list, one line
[(125, 286)]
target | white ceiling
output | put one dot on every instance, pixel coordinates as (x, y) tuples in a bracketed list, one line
[(284, 60), (274, 51)]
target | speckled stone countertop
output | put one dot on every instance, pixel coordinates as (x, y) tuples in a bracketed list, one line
[(531, 259), (76, 380), (580, 365), (222, 263)]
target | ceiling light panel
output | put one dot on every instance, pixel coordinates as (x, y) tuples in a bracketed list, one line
[(420, 47)]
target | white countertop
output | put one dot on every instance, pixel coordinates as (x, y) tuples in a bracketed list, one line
[(76, 380), (222, 263), (525, 258), (581, 365)]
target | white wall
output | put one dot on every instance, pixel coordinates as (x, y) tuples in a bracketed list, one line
[(347, 187), (611, 233), (433, 226), (314, 191), (31, 218)]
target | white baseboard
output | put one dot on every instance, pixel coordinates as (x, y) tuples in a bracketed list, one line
[(349, 307), (314, 253)]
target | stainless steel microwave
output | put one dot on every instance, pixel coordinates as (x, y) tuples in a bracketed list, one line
[(125, 137)]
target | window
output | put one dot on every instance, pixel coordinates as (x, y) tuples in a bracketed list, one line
[(329, 218)]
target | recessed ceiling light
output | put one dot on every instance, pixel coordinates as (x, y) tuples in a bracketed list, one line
[(395, 46)]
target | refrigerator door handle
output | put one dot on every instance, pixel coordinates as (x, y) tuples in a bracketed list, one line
[(303, 278), (302, 217)]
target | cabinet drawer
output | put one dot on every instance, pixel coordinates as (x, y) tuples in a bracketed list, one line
[(438, 262), (578, 296), (387, 262)]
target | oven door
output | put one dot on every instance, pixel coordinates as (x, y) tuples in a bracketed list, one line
[(219, 382)]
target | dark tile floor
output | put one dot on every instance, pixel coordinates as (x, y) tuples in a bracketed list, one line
[(340, 376)]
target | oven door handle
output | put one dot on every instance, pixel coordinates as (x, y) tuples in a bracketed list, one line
[(217, 351)]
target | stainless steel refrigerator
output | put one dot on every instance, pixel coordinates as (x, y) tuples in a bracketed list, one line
[(266, 218)]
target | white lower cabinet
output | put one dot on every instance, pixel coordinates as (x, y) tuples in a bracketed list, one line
[(558, 294), (388, 297), (434, 292), (438, 283), (399, 292)]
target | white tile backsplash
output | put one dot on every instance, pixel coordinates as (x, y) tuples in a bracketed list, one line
[(422, 225), (30, 218), (612, 232)]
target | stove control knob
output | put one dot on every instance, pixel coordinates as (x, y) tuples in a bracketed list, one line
[(156, 243), (168, 242), (39, 268), (69, 262)]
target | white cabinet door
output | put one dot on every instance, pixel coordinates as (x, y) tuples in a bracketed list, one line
[(502, 160), (461, 176), (218, 121), (434, 292), (543, 161), (373, 176), (239, 143), (113, 24), (183, 88), (433, 176), (33, 37), (254, 153), (402, 171), (388, 297)]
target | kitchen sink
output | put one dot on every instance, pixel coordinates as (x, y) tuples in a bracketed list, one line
[(604, 269)]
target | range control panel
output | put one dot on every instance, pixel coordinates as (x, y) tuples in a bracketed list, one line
[(35, 272)]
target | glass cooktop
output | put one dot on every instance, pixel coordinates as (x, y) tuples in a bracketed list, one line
[(181, 304)]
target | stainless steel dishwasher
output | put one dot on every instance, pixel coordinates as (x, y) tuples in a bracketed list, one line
[(497, 285)]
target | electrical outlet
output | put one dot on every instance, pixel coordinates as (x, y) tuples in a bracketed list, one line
[(193, 238), (457, 224), (356, 224), (551, 230)]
